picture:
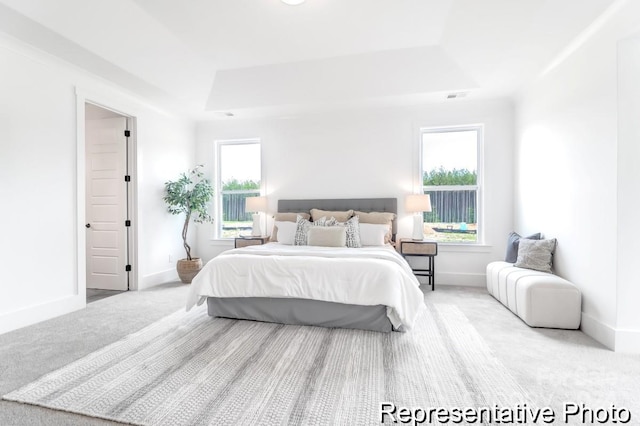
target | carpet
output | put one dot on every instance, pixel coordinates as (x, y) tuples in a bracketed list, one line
[(191, 369)]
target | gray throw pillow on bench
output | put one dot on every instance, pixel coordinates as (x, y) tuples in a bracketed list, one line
[(512, 245), (536, 254)]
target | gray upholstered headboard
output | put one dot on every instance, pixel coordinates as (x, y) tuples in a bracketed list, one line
[(361, 204)]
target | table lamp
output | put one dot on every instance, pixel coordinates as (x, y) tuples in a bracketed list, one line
[(257, 205), (417, 204)]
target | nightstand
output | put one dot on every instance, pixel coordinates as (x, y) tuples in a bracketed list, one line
[(408, 247), (250, 241)]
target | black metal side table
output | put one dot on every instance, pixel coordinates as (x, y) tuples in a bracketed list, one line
[(408, 247)]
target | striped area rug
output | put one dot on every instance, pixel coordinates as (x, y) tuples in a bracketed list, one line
[(191, 369)]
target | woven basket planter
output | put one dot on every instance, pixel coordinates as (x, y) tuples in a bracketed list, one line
[(187, 269)]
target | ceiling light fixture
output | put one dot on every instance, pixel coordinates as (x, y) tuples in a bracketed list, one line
[(293, 2)]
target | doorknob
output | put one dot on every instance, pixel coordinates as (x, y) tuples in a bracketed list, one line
[(88, 225)]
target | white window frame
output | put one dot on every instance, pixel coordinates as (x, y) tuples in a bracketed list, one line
[(218, 188), (478, 187)]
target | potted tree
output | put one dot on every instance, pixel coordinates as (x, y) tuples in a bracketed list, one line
[(189, 195)]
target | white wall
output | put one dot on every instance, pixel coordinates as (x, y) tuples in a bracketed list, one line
[(165, 149), (374, 153), (567, 169), (628, 295), (38, 183)]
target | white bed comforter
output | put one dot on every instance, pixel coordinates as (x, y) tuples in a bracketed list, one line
[(363, 276)]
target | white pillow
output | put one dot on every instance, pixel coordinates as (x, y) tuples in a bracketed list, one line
[(327, 236), (372, 234), (286, 232)]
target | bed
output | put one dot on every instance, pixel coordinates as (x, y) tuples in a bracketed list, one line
[(370, 288)]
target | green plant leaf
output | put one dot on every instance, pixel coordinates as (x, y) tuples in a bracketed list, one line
[(190, 195)]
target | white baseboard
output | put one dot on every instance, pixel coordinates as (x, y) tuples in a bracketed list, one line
[(628, 341), (158, 278), (458, 278), (618, 340), (598, 331), (41, 312)]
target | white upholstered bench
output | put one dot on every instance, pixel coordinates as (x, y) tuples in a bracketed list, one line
[(540, 299)]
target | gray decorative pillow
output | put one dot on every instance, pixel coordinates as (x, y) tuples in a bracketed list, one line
[(323, 221), (301, 231), (353, 232), (512, 245), (536, 254)]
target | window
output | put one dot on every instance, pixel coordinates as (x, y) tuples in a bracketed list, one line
[(451, 176), (239, 176)]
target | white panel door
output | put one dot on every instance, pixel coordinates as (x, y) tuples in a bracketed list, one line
[(106, 209)]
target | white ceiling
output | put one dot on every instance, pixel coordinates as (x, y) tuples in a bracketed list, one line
[(262, 57)]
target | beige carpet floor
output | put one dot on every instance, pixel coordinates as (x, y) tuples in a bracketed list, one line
[(191, 369), (552, 366)]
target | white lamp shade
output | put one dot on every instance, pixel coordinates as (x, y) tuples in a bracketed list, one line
[(255, 204), (418, 203), (293, 2)]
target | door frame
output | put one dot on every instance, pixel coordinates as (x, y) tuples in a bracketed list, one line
[(106, 102)]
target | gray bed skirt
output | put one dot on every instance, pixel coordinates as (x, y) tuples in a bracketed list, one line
[(301, 312)]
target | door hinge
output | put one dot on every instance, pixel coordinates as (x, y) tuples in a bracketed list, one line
[(127, 268), (127, 133), (127, 178), (127, 223)]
